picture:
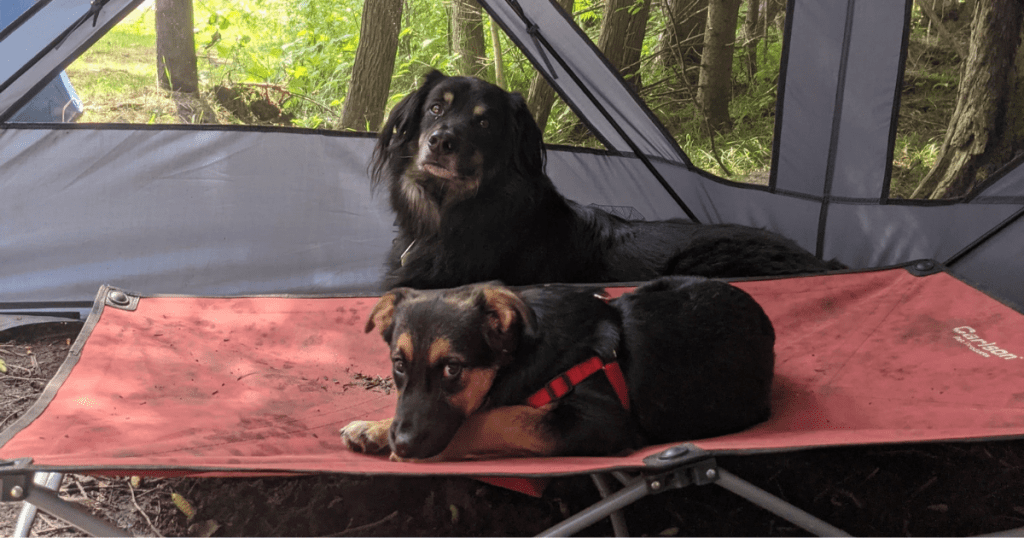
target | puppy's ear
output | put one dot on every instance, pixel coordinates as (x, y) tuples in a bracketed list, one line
[(528, 154), (508, 319), (383, 313), (402, 125)]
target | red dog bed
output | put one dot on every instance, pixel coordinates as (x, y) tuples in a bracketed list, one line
[(262, 384)]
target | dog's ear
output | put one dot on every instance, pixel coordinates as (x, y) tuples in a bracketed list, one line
[(383, 313), (528, 152), (402, 124), (507, 318)]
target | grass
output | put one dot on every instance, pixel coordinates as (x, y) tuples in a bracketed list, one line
[(116, 77)]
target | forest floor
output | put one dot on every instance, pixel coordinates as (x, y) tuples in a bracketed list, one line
[(931, 489)]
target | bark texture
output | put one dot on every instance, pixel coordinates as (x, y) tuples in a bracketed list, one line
[(373, 65), (714, 87), (176, 46), (980, 119)]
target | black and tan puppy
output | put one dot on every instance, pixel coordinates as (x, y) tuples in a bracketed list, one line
[(463, 161), (484, 371)]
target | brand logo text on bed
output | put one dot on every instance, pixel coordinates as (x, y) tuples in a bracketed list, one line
[(970, 337)]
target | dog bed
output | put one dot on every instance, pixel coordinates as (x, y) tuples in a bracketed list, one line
[(261, 385)]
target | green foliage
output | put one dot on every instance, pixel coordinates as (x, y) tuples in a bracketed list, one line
[(298, 55)]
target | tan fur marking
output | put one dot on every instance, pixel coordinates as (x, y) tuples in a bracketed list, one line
[(382, 313), (439, 349), (404, 343), (509, 431), (478, 382), (449, 97), (479, 110), (366, 436), (505, 304)]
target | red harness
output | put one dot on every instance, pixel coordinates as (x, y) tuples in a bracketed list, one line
[(561, 385)]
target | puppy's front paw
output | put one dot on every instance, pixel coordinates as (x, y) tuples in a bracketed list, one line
[(366, 436)]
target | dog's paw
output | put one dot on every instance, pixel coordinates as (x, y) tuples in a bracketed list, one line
[(369, 437)]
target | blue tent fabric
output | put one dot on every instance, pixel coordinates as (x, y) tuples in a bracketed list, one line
[(57, 101)]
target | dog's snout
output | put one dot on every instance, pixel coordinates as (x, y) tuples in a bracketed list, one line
[(403, 439), (442, 142)]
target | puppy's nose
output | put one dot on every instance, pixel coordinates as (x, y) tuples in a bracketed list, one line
[(441, 142), (403, 440)]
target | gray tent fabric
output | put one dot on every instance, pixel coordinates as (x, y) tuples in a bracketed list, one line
[(221, 211), (236, 211)]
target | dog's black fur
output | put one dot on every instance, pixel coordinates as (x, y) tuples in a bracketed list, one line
[(697, 354), (463, 161)]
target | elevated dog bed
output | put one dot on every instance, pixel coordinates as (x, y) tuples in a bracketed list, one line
[(261, 385)]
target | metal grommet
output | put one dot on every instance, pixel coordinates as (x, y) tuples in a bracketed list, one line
[(673, 453), (711, 474), (17, 492), (118, 298)]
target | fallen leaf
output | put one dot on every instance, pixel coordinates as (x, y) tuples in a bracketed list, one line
[(183, 505), (3, 367)]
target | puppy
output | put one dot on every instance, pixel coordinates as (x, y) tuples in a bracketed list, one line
[(483, 371), (463, 162)]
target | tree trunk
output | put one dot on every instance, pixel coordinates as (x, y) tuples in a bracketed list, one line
[(176, 46), (714, 88), (541, 95), (634, 44), (772, 9), (373, 65), (980, 118), (499, 64), (614, 28), (685, 23), (750, 37), (468, 38), (622, 35)]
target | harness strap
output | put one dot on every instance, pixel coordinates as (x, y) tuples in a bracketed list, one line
[(561, 385)]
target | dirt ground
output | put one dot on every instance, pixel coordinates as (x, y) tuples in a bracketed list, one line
[(941, 489)]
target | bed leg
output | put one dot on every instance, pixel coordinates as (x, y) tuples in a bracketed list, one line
[(27, 516), (776, 505), (632, 492), (618, 520), (48, 501)]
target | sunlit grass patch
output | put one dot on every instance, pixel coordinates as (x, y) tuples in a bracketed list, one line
[(116, 77)]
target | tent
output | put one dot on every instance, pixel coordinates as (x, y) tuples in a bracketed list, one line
[(220, 210), (215, 211)]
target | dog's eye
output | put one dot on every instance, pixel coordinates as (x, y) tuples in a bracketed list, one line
[(399, 366), (436, 110), (484, 124), (452, 370)]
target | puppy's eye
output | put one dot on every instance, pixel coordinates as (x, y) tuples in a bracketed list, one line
[(436, 110), (452, 370), (399, 366), (484, 124)]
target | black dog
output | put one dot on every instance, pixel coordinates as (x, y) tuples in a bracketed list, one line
[(484, 371), (464, 163)]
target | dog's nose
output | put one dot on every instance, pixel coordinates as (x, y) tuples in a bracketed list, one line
[(441, 142), (403, 444)]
